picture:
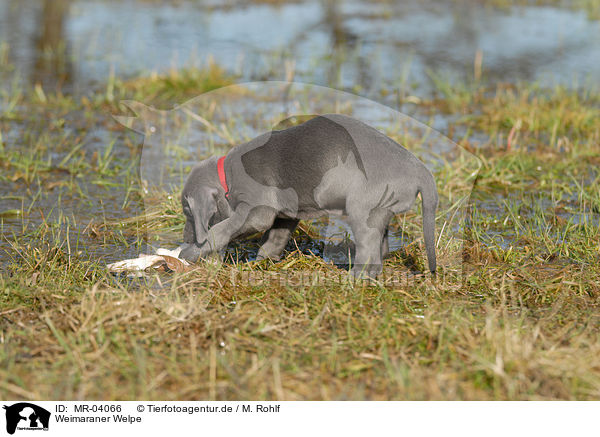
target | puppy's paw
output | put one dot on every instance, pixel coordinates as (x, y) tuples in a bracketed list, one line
[(261, 255), (191, 253)]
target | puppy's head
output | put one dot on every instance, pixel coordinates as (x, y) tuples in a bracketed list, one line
[(203, 202)]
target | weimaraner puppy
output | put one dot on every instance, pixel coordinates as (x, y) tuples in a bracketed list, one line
[(331, 164)]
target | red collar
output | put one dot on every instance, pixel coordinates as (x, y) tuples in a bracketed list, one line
[(222, 177)]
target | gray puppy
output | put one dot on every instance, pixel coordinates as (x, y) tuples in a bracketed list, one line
[(331, 164)]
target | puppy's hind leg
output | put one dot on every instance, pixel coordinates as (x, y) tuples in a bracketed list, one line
[(275, 239), (370, 235)]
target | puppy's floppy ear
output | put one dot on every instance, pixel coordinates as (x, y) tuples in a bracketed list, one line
[(203, 206)]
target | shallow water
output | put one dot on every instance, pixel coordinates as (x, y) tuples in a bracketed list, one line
[(356, 45)]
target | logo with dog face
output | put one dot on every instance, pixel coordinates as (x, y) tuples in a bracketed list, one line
[(26, 416)]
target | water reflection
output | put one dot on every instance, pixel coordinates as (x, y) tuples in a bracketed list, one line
[(52, 65)]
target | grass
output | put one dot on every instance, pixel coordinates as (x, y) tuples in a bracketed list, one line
[(508, 334), (517, 320), (523, 113), (174, 87), (590, 7)]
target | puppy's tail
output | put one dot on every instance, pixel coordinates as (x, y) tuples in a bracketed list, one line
[(429, 196)]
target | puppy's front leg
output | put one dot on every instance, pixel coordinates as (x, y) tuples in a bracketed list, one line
[(276, 238), (218, 236), (223, 232)]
